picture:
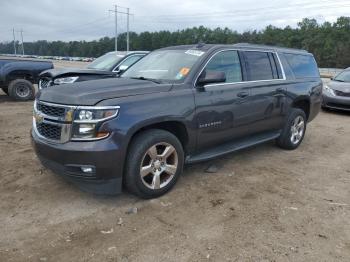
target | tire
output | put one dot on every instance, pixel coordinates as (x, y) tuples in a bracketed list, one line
[(294, 130), (21, 90), (145, 151), (5, 90)]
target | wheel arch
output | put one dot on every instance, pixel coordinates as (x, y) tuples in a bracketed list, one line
[(20, 74), (304, 104), (175, 127)]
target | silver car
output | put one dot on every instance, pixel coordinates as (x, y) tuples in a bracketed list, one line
[(336, 93)]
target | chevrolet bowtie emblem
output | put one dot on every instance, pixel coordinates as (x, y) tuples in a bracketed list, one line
[(39, 118)]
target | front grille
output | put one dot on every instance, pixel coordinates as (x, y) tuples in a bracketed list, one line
[(340, 93), (52, 121), (49, 131), (45, 83), (51, 110)]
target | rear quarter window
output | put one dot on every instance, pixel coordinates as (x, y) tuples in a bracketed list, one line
[(302, 65)]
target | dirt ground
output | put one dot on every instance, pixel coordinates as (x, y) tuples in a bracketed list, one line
[(262, 204)]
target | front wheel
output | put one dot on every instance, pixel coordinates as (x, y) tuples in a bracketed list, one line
[(294, 130), (21, 90), (154, 163)]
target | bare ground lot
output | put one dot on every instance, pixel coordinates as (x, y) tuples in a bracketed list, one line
[(263, 204)]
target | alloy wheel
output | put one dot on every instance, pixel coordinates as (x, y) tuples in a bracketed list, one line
[(297, 130), (159, 165)]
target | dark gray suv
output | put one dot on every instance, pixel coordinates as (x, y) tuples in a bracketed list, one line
[(177, 105)]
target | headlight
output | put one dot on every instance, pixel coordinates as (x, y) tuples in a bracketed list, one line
[(328, 90), (65, 80), (87, 121)]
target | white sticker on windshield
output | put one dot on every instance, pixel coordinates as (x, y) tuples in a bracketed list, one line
[(194, 52)]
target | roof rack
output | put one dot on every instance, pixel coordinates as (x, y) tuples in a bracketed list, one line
[(258, 46)]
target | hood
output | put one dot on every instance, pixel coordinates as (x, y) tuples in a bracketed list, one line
[(62, 72), (91, 92), (339, 86)]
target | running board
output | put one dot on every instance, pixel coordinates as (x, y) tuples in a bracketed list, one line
[(232, 147)]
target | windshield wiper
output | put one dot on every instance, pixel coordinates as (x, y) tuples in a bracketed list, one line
[(147, 79), (338, 80)]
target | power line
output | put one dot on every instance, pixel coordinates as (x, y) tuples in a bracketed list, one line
[(237, 11), (116, 12)]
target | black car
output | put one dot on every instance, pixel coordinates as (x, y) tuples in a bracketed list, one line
[(106, 66), (336, 93), (18, 76), (177, 105)]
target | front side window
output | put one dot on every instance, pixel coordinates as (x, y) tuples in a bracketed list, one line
[(130, 61), (227, 62), (165, 65), (258, 66)]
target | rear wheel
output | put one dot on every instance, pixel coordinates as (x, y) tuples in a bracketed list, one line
[(294, 130), (154, 163), (21, 90)]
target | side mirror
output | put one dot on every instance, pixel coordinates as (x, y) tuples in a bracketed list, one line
[(211, 77)]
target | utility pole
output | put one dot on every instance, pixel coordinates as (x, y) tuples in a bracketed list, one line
[(127, 29), (14, 41), (116, 27), (22, 41), (116, 12)]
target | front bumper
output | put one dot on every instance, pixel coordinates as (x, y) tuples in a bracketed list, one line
[(336, 102), (104, 156)]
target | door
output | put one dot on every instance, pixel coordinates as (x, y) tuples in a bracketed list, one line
[(267, 98), (222, 110)]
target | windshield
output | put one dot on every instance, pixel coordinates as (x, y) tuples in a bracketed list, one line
[(105, 62), (343, 77), (167, 65)]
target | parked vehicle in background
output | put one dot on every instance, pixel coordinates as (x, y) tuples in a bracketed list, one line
[(177, 105), (18, 76), (336, 93), (106, 66)]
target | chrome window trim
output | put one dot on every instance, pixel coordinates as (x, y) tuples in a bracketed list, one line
[(243, 82)]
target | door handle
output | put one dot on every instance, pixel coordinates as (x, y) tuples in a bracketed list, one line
[(243, 94)]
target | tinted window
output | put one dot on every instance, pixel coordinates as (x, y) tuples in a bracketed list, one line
[(302, 65), (227, 62), (258, 66)]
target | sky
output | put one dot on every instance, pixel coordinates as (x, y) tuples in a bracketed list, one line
[(68, 20)]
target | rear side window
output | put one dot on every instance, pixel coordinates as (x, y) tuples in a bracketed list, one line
[(259, 66), (302, 65)]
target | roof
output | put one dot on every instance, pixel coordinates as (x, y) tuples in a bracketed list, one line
[(206, 47), (128, 53)]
